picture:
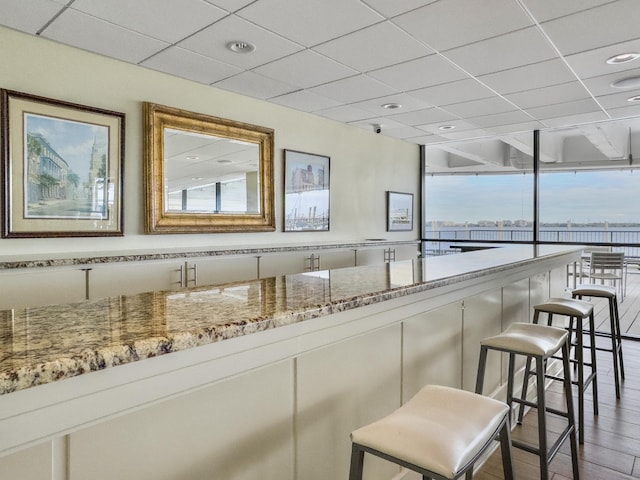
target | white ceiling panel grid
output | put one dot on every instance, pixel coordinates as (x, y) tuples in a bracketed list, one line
[(492, 65)]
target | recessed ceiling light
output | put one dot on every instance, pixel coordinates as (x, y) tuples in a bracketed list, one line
[(192, 157), (629, 82), (241, 47), (634, 99), (196, 178), (446, 127), (224, 160), (622, 58), (391, 106)]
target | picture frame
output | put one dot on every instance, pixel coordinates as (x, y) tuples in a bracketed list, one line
[(306, 192), (399, 211), (62, 168)]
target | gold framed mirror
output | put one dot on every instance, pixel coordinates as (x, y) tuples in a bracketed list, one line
[(205, 174)]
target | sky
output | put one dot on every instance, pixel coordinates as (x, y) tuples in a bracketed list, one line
[(581, 197), (71, 140)]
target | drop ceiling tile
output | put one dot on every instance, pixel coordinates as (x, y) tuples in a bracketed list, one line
[(392, 9), (28, 16), (604, 25), (89, 33), (386, 124), (374, 47), (456, 135), (620, 100), (428, 139), (511, 50), (515, 128), (408, 103), (576, 107), (498, 119), (549, 95), (593, 62), (230, 5), (310, 22), (424, 117), (192, 66), (541, 74), (354, 89), (344, 113), (255, 85), (305, 100), (461, 126), (602, 85), (305, 69), (404, 132), (419, 73), (212, 42), (544, 10), (576, 119), (630, 111), (453, 92), (482, 107), (469, 19), (170, 21)]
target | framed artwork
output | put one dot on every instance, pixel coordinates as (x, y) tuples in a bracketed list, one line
[(306, 192), (62, 167), (399, 211)]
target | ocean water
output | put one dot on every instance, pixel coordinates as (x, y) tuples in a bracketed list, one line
[(441, 237)]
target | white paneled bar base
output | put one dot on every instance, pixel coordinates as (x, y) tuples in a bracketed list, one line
[(270, 392)]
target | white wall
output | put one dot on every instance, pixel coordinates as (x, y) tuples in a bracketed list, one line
[(363, 164)]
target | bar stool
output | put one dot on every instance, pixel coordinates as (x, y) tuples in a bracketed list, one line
[(578, 311), (608, 292), (440, 433), (540, 343)]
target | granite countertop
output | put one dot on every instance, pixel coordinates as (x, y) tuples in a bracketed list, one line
[(45, 344), (38, 261)]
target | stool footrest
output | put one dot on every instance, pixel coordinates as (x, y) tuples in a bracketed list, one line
[(553, 450)]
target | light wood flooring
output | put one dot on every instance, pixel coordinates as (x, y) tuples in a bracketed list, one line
[(612, 438)]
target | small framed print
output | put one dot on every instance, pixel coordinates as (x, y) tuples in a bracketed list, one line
[(399, 211), (62, 167), (306, 192)]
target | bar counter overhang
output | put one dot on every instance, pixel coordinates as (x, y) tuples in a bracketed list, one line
[(65, 367)]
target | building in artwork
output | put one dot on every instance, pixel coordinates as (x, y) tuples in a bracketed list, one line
[(47, 171)]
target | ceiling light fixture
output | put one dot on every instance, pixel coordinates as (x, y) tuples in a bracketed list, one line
[(224, 160), (634, 99), (446, 127), (629, 82), (192, 157), (391, 106), (623, 58), (241, 47)]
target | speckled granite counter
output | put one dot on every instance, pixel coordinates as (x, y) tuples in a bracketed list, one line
[(42, 345), (9, 263)]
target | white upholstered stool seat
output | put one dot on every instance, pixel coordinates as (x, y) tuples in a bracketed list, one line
[(566, 306), (539, 343), (440, 433), (614, 334), (593, 290), (528, 339)]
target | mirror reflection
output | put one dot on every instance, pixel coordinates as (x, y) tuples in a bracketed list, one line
[(206, 174), (210, 174)]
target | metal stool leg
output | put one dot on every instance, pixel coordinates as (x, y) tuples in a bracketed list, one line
[(357, 463), (570, 410), (542, 419)]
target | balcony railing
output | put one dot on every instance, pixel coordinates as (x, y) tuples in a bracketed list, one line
[(627, 240)]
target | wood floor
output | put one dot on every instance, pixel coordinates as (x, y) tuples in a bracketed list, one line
[(612, 438)]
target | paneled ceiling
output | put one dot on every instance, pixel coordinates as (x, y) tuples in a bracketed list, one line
[(484, 67)]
